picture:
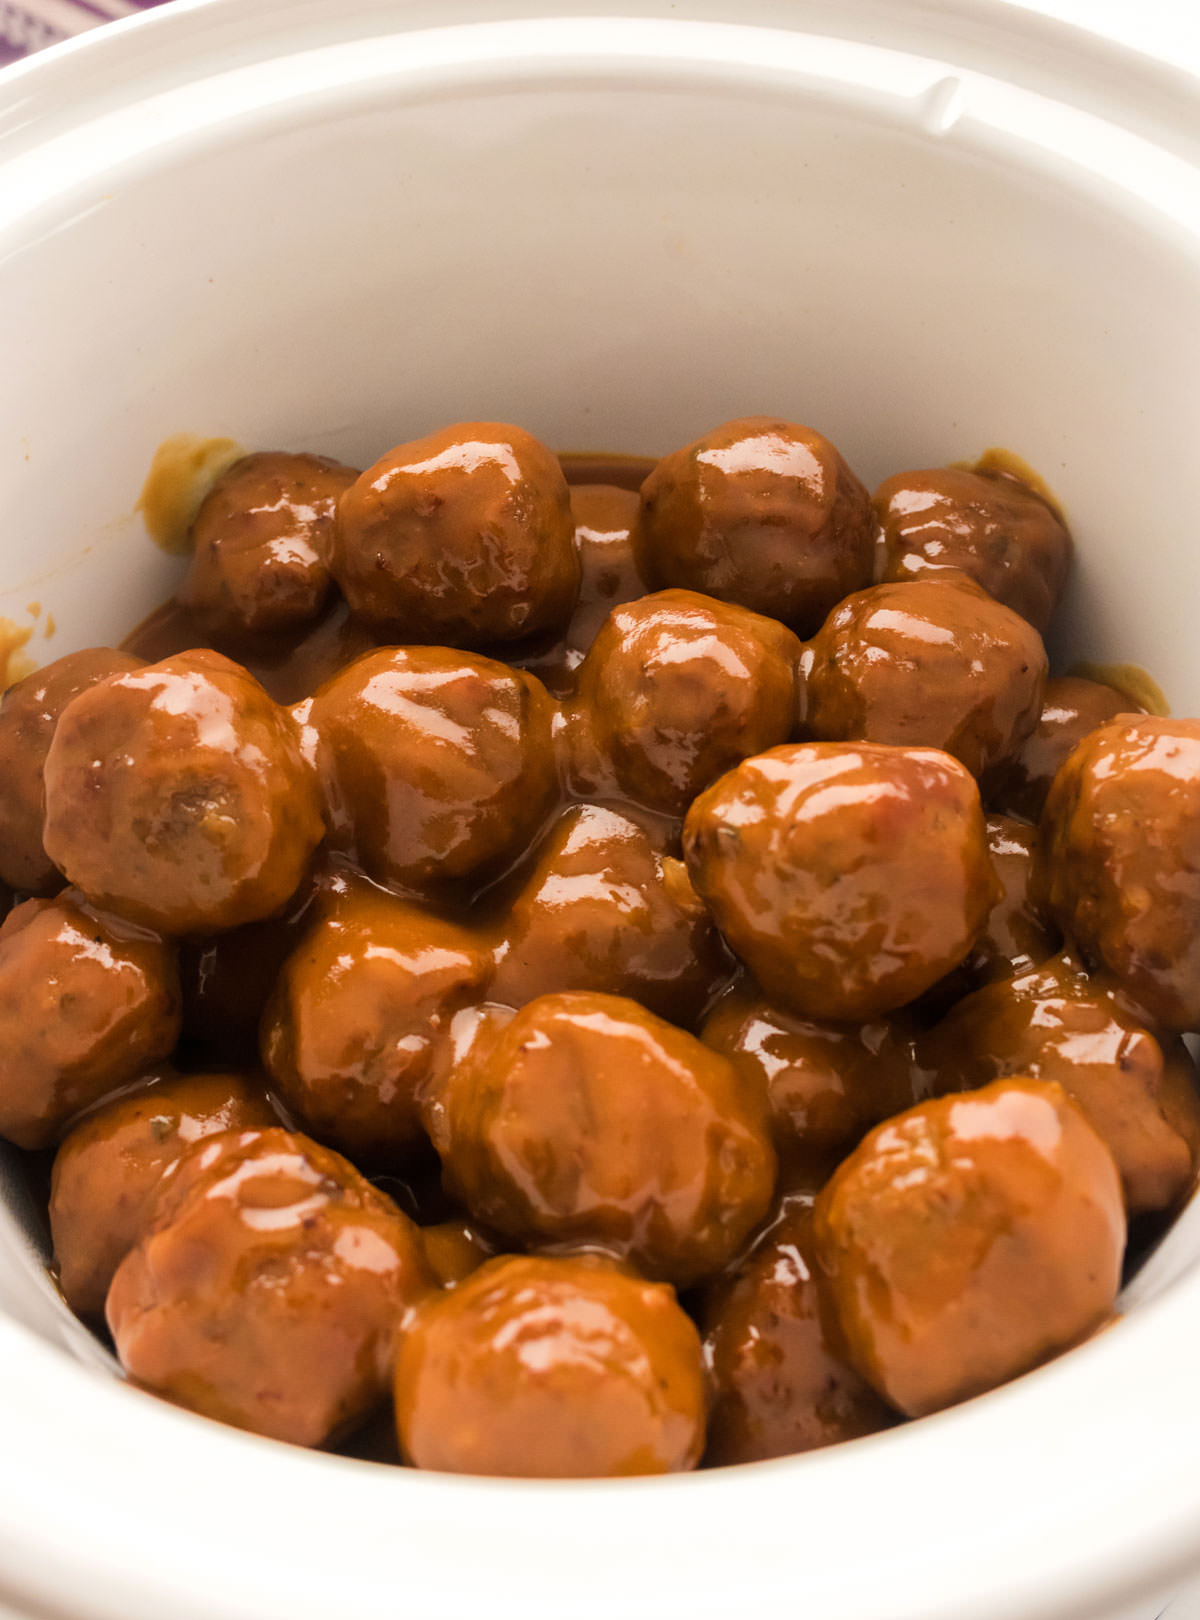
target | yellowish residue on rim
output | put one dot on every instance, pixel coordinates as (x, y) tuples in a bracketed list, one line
[(1131, 680), (185, 467), (15, 662)]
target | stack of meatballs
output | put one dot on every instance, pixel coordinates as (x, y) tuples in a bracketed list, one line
[(630, 977)]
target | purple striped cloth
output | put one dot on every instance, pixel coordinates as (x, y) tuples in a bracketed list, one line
[(27, 25)]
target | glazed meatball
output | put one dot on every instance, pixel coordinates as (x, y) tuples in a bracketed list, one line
[(825, 1083), (677, 688), (109, 1166), (437, 765), (990, 525), (1119, 860), (848, 878), (605, 517), (589, 1121), (934, 664), (28, 719), (779, 1385), (177, 795), (1056, 1024), (1017, 935), (269, 1287), (763, 513), (87, 1003), (602, 910), (464, 537), (359, 1022), (551, 1368), (1072, 709), (969, 1240), (261, 541)]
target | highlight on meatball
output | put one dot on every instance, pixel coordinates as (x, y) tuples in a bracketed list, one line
[(110, 1164), (602, 909), (1055, 1023), (87, 1003), (989, 524), (760, 512), (677, 688), (1119, 860), (552, 1369), (969, 1240), (464, 537), (29, 716), (826, 1084), (261, 542), (933, 664), (848, 877), (589, 1121), (779, 1383), (1072, 708), (177, 795), (269, 1287), (437, 765), (358, 1026)]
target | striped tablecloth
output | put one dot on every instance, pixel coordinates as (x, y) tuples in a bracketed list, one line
[(27, 25)]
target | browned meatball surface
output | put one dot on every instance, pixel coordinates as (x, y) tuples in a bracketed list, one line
[(934, 664), (108, 1167), (28, 718), (437, 765), (1072, 708), (463, 537), (605, 518), (551, 1368), (359, 1022), (1119, 860), (261, 541), (177, 795), (990, 525), (849, 878), (969, 1240), (87, 1003), (602, 909), (589, 1121), (1056, 1024), (269, 1288), (676, 689), (760, 512), (779, 1384), (825, 1083)]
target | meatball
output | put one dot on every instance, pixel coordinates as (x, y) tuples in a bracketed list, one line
[(589, 1121), (848, 878), (359, 1022), (177, 795), (763, 513), (87, 1003), (602, 910), (990, 525), (260, 543), (28, 718), (934, 664), (1119, 860), (678, 688), (969, 1240), (1056, 1024), (109, 1166), (553, 1369), (825, 1083), (269, 1287), (456, 1248), (1072, 709), (464, 537), (605, 517), (779, 1384), (437, 765)]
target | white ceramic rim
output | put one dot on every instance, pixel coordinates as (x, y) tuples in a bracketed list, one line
[(113, 1505)]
